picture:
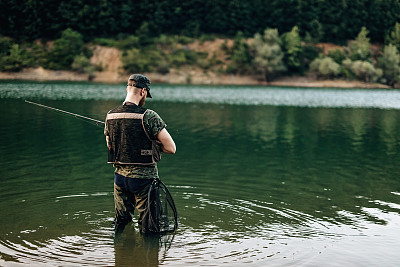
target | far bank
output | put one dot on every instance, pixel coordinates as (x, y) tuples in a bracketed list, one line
[(188, 76)]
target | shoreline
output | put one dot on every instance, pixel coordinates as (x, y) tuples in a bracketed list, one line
[(192, 76)]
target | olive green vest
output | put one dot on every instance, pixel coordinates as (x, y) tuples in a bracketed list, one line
[(130, 143)]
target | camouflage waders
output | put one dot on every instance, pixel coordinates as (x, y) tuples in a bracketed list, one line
[(129, 193)]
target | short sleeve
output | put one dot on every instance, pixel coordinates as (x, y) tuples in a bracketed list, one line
[(153, 123)]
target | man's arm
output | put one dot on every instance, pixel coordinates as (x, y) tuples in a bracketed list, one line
[(167, 143), (108, 142), (106, 134)]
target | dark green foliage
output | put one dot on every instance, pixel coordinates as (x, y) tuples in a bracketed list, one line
[(393, 36), (65, 49), (5, 45), (298, 55), (159, 54), (389, 62), (15, 60), (105, 42), (293, 50), (337, 55), (14, 57), (360, 47), (82, 64), (382, 16), (240, 55), (323, 20), (310, 52), (135, 60)]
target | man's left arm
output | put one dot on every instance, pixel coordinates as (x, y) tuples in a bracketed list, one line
[(157, 130), (167, 143)]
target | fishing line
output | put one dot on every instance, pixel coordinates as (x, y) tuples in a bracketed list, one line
[(87, 119)]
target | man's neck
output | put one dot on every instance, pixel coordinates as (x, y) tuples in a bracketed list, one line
[(131, 98)]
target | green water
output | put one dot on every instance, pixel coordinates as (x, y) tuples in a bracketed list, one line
[(262, 177)]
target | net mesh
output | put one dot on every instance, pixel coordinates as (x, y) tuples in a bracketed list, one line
[(161, 215)]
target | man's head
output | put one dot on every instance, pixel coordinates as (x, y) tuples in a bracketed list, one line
[(140, 81)]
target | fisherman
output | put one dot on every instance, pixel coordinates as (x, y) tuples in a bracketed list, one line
[(135, 138)]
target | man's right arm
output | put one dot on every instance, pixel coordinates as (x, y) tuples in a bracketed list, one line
[(108, 142), (106, 133)]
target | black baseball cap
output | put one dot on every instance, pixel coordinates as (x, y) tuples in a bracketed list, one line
[(140, 81)]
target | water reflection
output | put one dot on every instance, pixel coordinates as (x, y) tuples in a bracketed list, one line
[(255, 185), (135, 249)]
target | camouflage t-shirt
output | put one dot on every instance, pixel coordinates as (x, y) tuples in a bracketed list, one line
[(153, 125)]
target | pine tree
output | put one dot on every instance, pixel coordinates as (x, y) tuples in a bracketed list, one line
[(268, 54)]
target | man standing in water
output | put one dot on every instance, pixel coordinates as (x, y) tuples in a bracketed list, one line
[(135, 138)]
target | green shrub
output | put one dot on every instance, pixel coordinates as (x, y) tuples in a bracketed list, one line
[(267, 54), (178, 58), (105, 42), (129, 42), (363, 70), (394, 36), (293, 49), (316, 32), (135, 60), (389, 62), (240, 55), (337, 55), (15, 60), (224, 47), (38, 53), (82, 64), (360, 48), (184, 39), (5, 46), (207, 37), (166, 40), (310, 52), (65, 49), (325, 67)]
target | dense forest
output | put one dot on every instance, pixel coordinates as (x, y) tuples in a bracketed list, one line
[(327, 20), (270, 38)]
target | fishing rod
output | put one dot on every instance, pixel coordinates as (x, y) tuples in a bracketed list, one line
[(66, 112)]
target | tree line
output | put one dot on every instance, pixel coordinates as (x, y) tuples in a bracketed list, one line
[(324, 20), (268, 55)]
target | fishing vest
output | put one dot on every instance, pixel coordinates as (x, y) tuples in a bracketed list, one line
[(130, 143)]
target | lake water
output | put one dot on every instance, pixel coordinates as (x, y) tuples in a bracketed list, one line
[(262, 177)]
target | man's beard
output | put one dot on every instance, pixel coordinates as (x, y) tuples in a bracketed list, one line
[(142, 101)]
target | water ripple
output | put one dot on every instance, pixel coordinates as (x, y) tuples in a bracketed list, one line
[(234, 95)]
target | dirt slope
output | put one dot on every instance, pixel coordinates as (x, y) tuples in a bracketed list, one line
[(109, 59)]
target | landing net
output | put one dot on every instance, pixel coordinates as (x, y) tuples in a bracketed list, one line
[(161, 214)]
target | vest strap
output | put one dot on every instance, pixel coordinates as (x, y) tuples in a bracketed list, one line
[(114, 116)]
